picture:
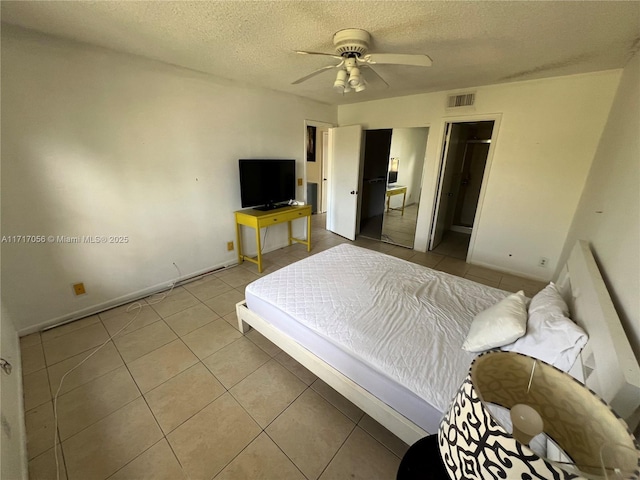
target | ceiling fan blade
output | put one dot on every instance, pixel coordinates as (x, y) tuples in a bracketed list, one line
[(313, 74), (398, 59), (303, 52), (375, 74)]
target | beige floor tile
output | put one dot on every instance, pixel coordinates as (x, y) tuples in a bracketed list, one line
[(383, 435), (190, 319), (157, 463), (181, 397), (137, 344), (225, 303), (401, 252), (212, 337), (453, 266), (29, 340), (234, 362), (264, 343), (176, 301), (268, 265), (77, 341), (136, 318), (40, 424), (362, 458), (485, 273), (158, 366), (231, 319), (93, 401), (209, 440), (207, 287), (515, 283), (106, 446), (310, 424), (120, 310), (261, 460), (43, 467), (103, 361), (285, 259), (483, 281), (337, 400), (32, 358), (267, 392), (294, 367), (36, 389), (426, 259), (235, 276), (48, 335)]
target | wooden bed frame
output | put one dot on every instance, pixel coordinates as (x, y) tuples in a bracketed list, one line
[(608, 364)]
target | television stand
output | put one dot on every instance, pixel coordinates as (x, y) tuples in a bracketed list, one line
[(257, 219), (269, 206)]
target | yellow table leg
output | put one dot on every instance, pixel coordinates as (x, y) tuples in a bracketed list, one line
[(289, 227), (259, 250), (309, 233), (239, 243), (404, 198)]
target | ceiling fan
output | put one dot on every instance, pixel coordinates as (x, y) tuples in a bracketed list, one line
[(352, 46)]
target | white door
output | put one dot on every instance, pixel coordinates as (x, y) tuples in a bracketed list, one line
[(344, 159), (445, 184)]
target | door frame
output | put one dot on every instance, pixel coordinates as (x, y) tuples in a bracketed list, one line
[(323, 158), (496, 118)]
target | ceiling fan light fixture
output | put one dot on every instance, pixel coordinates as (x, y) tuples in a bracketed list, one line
[(354, 77), (360, 87), (340, 82)]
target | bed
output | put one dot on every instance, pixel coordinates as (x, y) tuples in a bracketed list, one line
[(394, 365)]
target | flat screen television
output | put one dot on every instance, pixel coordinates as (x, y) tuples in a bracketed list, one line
[(267, 184)]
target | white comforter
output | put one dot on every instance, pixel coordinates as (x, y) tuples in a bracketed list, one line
[(406, 321)]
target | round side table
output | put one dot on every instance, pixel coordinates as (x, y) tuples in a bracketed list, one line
[(422, 461)]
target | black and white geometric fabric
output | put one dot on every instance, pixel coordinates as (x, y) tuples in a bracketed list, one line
[(473, 446)]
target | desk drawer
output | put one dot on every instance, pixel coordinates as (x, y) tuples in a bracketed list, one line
[(284, 217)]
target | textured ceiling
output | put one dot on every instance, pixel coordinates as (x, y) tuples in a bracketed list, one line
[(471, 43)]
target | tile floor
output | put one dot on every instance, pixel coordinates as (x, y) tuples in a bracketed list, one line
[(180, 393), (400, 229)]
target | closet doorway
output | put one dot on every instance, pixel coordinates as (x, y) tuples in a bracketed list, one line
[(393, 163), (466, 152)]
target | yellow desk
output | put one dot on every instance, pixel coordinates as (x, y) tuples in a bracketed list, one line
[(258, 219), (391, 191)]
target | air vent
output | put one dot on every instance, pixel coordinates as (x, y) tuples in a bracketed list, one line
[(461, 100)]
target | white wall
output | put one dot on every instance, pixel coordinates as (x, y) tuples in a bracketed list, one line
[(409, 144), (608, 215), (548, 134), (101, 143)]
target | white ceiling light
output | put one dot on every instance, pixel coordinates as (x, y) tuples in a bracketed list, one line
[(360, 87), (354, 77), (340, 82)]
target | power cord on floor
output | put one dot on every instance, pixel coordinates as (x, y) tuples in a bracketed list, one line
[(136, 305)]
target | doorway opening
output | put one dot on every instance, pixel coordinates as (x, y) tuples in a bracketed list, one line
[(317, 169), (393, 164), (462, 172)]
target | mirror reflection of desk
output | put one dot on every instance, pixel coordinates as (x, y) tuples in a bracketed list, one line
[(396, 190)]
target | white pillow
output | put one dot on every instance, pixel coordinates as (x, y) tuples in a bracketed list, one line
[(549, 300), (551, 337), (498, 325)]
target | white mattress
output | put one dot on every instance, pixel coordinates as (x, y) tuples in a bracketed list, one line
[(392, 326)]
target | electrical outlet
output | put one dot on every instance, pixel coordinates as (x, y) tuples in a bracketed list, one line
[(299, 182), (78, 288), (543, 262), (229, 246)]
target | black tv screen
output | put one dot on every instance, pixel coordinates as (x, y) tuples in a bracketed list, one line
[(267, 183)]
